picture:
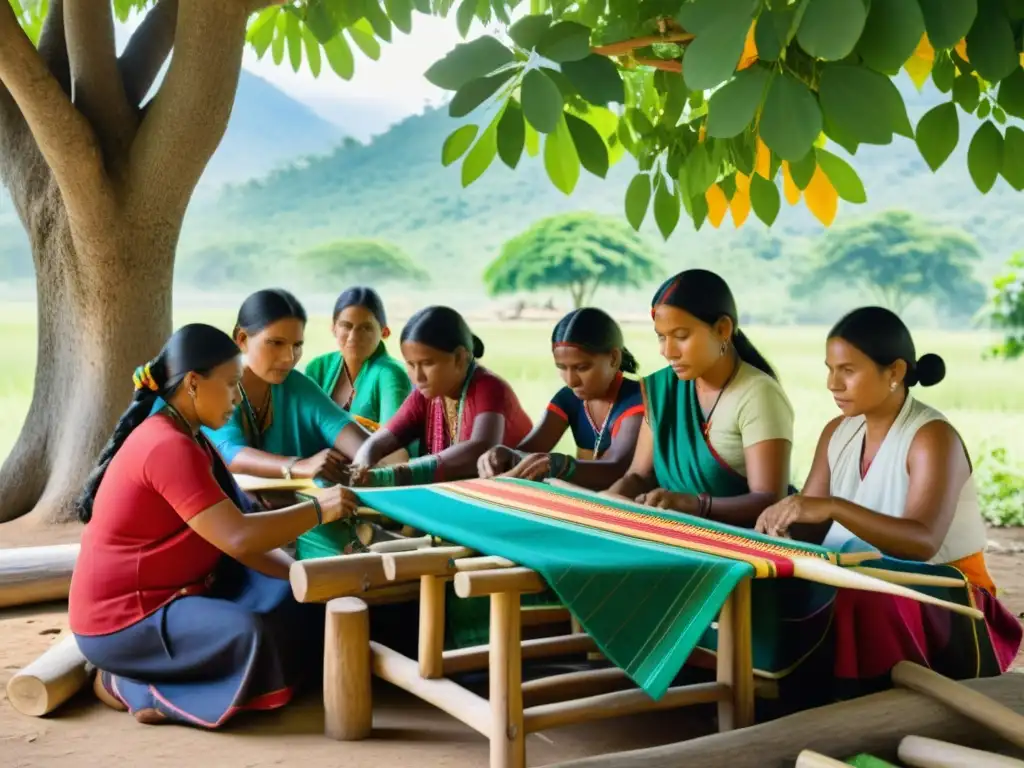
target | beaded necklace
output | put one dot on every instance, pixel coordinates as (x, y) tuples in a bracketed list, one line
[(456, 431), (613, 393), (182, 422), (250, 415)]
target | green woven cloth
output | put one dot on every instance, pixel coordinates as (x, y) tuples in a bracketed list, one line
[(645, 604)]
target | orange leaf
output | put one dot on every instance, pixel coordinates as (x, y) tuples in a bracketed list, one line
[(821, 198), (763, 159), (749, 55), (717, 205), (919, 65), (740, 203), (702, 133), (789, 187), (961, 49), (924, 48)]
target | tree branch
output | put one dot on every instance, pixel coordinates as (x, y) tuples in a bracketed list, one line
[(188, 117), (147, 50), (98, 88), (53, 46), (64, 137)]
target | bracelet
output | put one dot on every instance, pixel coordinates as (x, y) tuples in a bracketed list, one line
[(316, 506), (286, 470), (703, 504)]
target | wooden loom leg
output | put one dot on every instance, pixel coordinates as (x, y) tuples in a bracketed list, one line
[(348, 700), (735, 659), (432, 618), (508, 742)]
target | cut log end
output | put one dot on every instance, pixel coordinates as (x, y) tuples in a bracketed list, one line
[(348, 699), (50, 680)]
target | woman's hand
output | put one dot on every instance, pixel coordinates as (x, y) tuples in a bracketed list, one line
[(336, 503), (496, 461), (779, 517), (358, 476), (533, 467), (328, 464), (662, 499)]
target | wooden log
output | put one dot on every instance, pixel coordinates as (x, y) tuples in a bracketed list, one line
[(432, 617), (574, 685), (348, 700), (810, 759), (36, 574), (508, 733), (908, 579), (932, 753), (735, 667), (323, 578), (481, 583), (980, 708), (483, 563), (402, 545), (475, 657), (53, 678), (873, 724), (435, 561)]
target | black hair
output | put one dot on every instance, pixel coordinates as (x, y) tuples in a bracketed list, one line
[(196, 347), (594, 331), (266, 307), (442, 328), (706, 296), (361, 296), (883, 337)]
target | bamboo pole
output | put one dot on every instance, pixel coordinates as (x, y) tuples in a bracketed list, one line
[(53, 678), (909, 579), (435, 561), (402, 545), (810, 759), (734, 660), (481, 583), (36, 574), (508, 745), (575, 685), (476, 657), (348, 698), (432, 620), (919, 752)]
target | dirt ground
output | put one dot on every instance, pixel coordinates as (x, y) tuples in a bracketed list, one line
[(85, 734)]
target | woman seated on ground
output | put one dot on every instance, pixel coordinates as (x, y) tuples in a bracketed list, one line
[(589, 353), (458, 411), (360, 376), (179, 598), (892, 474), (718, 430)]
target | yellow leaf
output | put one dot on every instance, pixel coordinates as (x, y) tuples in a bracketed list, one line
[(821, 198), (702, 133), (740, 203), (749, 55), (924, 47), (763, 159), (717, 205), (1022, 59), (961, 49), (919, 65), (789, 187)]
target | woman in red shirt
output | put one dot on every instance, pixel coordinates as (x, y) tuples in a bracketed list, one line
[(180, 595), (459, 409)]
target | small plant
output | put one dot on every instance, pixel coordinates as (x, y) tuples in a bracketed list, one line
[(1000, 481)]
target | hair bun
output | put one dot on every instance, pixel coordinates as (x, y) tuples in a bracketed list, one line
[(478, 347), (929, 370)]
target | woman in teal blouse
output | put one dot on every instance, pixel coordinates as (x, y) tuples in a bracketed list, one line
[(360, 376)]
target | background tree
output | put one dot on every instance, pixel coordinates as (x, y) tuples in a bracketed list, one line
[(1006, 309), (360, 261), (578, 252), (898, 258)]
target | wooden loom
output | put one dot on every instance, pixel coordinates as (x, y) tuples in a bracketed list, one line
[(513, 707)]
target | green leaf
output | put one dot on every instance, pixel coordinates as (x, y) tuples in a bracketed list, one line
[(803, 169), (999, 115), (261, 33), (638, 198), (698, 210), (947, 23), (990, 44), (294, 34), (791, 119), (339, 56), (943, 72), (733, 106), (500, 11), (1013, 158), (769, 35), (312, 51), (362, 35), (400, 13), (565, 41), (985, 156), (468, 61), (527, 31), (590, 147), (864, 105), (560, 158), (379, 22), (844, 179), (712, 56), (322, 22), (532, 140), (481, 155), (1011, 93), (891, 34), (280, 35), (938, 131), (464, 17), (699, 171), (596, 79), (511, 135), (542, 101), (764, 199), (666, 207), (457, 143), (476, 92), (830, 29), (983, 110), (966, 91)]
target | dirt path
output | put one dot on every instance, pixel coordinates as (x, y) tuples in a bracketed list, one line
[(84, 734)]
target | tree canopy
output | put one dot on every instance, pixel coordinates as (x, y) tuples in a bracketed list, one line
[(1006, 309), (577, 252), (898, 258), (361, 261)]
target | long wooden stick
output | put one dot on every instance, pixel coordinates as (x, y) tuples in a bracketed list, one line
[(811, 759), (823, 572), (36, 574), (910, 579), (977, 706), (920, 752)]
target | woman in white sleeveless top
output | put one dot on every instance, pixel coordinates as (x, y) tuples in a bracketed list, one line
[(892, 474)]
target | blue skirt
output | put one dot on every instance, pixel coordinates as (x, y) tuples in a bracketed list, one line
[(199, 660)]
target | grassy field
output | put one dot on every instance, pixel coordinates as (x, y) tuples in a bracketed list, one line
[(984, 399)]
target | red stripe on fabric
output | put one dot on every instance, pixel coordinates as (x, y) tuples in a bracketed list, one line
[(634, 410), (268, 701), (557, 411), (783, 565)]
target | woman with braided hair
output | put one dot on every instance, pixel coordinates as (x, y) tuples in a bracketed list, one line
[(180, 594)]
